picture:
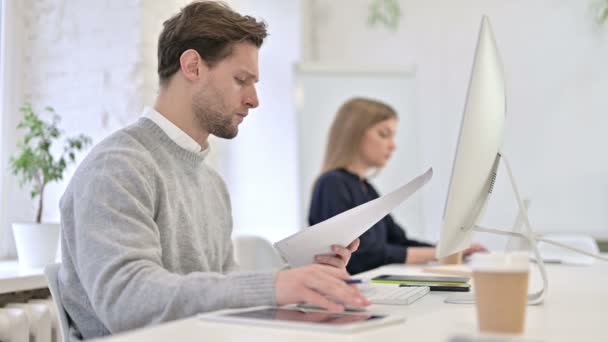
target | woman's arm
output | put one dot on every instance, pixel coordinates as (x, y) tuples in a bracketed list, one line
[(420, 255)]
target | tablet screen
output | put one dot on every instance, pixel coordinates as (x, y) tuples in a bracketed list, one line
[(318, 317)]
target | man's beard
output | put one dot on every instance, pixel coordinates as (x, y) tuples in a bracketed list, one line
[(212, 120)]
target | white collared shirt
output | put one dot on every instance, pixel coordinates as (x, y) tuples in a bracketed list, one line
[(175, 133)]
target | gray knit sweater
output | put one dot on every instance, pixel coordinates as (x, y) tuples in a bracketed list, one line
[(145, 238)]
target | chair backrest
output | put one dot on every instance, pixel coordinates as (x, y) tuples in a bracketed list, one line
[(51, 272), (582, 242), (254, 253)]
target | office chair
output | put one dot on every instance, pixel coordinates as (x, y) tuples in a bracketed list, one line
[(51, 271), (254, 253)]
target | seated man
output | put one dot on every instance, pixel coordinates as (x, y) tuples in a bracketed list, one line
[(146, 224)]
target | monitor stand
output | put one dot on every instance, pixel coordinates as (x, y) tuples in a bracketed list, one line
[(527, 235)]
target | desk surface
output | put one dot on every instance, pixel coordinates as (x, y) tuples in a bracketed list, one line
[(575, 309), (14, 279)]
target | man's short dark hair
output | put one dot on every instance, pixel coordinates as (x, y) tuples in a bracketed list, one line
[(209, 27)]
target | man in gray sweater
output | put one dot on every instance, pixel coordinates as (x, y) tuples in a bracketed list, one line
[(146, 224)]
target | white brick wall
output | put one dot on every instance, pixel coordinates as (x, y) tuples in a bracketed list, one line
[(153, 14), (82, 58), (94, 62)]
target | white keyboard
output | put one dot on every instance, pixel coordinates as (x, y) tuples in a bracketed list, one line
[(392, 294)]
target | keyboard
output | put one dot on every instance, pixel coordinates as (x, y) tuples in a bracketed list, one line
[(393, 294)]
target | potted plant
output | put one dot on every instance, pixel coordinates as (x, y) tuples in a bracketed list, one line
[(35, 166)]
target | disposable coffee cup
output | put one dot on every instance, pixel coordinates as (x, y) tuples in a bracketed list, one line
[(500, 282)]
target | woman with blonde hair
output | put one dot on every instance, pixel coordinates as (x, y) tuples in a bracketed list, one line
[(361, 139)]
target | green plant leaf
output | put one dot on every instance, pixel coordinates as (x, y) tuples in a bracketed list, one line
[(386, 13), (34, 165)]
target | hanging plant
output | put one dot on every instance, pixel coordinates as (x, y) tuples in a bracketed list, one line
[(603, 14), (599, 9), (386, 13)]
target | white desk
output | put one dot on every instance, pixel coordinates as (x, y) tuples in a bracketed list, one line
[(14, 279), (575, 309)]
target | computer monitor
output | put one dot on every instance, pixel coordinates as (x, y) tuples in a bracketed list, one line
[(476, 162), (477, 153)]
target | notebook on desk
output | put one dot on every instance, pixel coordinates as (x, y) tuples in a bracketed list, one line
[(434, 282), (421, 278)]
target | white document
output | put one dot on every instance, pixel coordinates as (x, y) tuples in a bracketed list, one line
[(300, 248)]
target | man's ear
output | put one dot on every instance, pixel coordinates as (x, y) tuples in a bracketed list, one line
[(191, 65)]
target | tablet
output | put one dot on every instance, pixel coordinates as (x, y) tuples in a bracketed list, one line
[(306, 319)]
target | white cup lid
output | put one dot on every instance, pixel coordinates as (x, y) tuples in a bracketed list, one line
[(500, 262)]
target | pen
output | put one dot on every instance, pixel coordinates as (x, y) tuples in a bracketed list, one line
[(355, 281)]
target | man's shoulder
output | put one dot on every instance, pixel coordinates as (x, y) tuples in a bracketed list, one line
[(120, 148), (121, 143), (131, 136)]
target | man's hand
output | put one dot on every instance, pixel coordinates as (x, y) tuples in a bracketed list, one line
[(342, 256), (475, 248), (319, 285)]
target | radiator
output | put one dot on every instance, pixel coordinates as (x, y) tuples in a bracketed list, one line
[(14, 325), (55, 332), (34, 321)]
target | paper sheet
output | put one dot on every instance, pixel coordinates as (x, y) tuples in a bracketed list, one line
[(300, 248)]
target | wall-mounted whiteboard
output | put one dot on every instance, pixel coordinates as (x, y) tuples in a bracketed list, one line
[(320, 90)]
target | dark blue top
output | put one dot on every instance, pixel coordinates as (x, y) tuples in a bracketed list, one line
[(384, 243)]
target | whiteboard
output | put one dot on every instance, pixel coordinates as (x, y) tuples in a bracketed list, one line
[(319, 90)]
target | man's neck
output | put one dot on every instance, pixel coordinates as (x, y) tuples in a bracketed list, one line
[(179, 111)]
